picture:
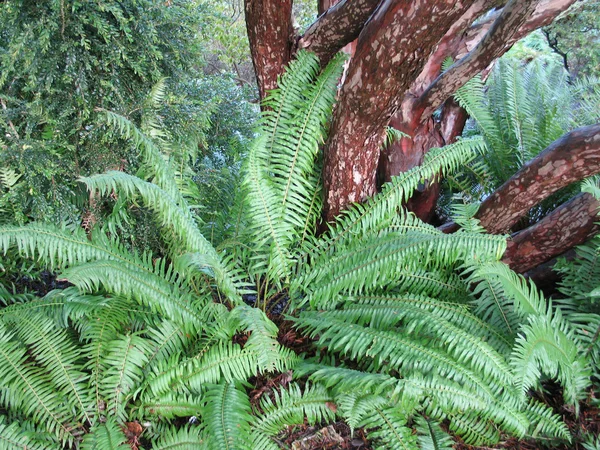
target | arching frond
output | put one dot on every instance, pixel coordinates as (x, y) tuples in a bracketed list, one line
[(184, 438), (377, 211), (431, 436), (226, 414), (291, 406), (105, 436), (29, 389), (174, 216)]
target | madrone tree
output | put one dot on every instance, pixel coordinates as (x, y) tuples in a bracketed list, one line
[(394, 77)]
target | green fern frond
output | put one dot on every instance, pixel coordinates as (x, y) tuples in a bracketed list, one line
[(174, 216), (372, 261), (223, 361), (27, 388), (387, 425), (399, 351), (473, 430), (14, 437), (544, 422), (59, 355), (170, 405), (122, 372), (291, 406), (105, 436), (382, 207), (431, 435), (184, 438), (547, 346), (227, 418), (280, 177), (150, 289), (263, 337)]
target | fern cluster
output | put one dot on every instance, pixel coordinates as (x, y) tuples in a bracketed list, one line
[(417, 328), (519, 111)]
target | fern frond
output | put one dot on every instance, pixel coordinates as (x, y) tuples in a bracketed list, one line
[(263, 337), (401, 352), (382, 207), (27, 388), (14, 437), (58, 354), (150, 289), (291, 406), (387, 425), (174, 216), (371, 262), (184, 438), (226, 415), (547, 346), (473, 430), (431, 435), (122, 372), (544, 422), (170, 405), (105, 436), (223, 361)]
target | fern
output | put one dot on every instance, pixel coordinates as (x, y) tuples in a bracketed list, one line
[(227, 417), (411, 327), (107, 436)]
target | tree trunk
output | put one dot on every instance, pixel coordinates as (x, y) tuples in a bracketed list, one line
[(270, 32), (390, 54)]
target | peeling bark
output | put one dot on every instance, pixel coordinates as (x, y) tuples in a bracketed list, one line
[(493, 45), (460, 40), (390, 54), (453, 119), (571, 158), (569, 225), (270, 32), (339, 25)]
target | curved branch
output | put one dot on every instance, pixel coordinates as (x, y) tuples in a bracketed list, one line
[(571, 158), (493, 44), (568, 225), (336, 27)]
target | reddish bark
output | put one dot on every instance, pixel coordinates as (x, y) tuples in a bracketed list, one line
[(336, 27), (270, 31), (462, 39), (390, 54), (491, 46), (453, 119), (573, 157), (567, 226)]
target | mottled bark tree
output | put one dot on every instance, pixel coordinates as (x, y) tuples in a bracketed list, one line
[(394, 78)]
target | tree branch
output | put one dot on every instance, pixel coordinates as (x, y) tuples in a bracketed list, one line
[(571, 158), (493, 44), (568, 225), (336, 27)]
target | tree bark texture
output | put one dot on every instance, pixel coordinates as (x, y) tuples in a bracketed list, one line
[(569, 225), (571, 158), (270, 32), (474, 46), (390, 54), (336, 27)]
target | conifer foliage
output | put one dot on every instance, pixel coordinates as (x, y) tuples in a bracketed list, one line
[(417, 327)]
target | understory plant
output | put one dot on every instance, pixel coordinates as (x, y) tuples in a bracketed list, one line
[(413, 329), (519, 111)]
